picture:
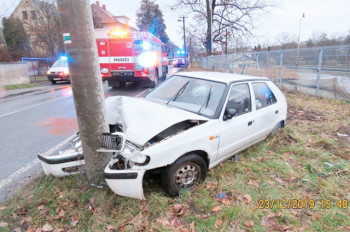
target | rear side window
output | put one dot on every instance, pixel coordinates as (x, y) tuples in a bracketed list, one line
[(263, 95), (239, 99)]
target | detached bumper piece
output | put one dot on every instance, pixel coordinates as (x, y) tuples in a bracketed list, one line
[(127, 183), (68, 162)]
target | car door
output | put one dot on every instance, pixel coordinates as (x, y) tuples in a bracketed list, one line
[(236, 132), (266, 107)]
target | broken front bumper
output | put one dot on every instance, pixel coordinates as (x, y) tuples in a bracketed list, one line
[(127, 182), (64, 164)]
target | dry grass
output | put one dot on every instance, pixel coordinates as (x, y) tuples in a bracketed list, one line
[(307, 160)]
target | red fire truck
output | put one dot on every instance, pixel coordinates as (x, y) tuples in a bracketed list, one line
[(131, 57)]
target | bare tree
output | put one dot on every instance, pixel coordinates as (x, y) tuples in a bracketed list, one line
[(44, 28), (237, 16), (347, 38), (287, 40)]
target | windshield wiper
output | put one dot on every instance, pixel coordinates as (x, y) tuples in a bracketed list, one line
[(206, 101), (178, 93)]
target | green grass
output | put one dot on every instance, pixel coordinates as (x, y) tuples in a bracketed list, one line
[(20, 86), (304, 161)]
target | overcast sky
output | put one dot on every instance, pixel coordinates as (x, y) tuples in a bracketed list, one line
[(330, 16)]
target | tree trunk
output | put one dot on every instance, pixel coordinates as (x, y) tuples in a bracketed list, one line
[(76, 19)]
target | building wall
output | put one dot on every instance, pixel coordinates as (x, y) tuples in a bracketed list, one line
[(12, 74), (28, 6)]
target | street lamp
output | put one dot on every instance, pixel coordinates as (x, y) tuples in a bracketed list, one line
[(303, 16)]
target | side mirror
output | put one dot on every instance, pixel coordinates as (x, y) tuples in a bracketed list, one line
[(229, 113)]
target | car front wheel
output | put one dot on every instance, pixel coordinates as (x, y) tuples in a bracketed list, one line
[(185, 173)]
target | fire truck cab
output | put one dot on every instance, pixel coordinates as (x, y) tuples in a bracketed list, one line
[(130, 57)]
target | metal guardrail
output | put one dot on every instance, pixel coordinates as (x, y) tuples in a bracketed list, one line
[(38, 67), (325, 71)]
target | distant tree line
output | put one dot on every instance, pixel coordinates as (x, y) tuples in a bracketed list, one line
[(286, 40)]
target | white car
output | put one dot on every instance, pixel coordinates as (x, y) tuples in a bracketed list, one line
[(187, 125), (59, 71)]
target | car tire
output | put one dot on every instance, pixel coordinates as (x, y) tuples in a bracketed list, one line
[(53, 82), (185, 173)]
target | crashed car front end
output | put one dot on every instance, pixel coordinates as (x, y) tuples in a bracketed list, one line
[(122, 173), (150, 142)]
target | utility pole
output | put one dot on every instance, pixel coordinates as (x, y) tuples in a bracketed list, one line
[(226, 43), (211, 27), (184, 29), (80, 47)]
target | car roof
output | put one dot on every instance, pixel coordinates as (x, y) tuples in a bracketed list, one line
[(220, 76)]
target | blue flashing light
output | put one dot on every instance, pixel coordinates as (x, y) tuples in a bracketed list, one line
[(182, 52), (63, 58)]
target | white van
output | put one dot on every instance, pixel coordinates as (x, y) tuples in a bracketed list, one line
[(59, 71)]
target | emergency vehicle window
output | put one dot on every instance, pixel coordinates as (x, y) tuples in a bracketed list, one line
[(60, 63), (263, 95), (138, 45)]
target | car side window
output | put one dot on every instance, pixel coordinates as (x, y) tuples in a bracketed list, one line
[(239, 99), (263, 95)]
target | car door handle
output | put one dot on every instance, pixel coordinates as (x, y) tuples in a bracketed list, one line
[(250, 123), (276, 112)]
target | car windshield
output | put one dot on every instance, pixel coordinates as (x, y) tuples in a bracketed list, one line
[(191, 94), (60, 63)]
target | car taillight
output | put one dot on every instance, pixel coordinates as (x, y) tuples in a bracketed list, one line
[(145, 72)]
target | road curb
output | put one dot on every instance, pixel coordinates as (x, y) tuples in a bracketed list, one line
[(29, 92)]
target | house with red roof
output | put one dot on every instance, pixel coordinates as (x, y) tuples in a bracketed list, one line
[(105, 19)]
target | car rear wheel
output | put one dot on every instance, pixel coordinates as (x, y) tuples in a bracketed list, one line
[(53, 82), (185, 173)]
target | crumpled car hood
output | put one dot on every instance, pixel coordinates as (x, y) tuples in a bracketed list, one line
[(143, 119)]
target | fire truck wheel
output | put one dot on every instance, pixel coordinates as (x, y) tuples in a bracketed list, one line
[(156, 80), (53, 82), (165, 71)]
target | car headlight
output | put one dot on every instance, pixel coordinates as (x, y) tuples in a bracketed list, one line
[(48, 72), (132, 154), (66, 72)]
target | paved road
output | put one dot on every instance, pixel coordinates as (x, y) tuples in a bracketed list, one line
[(34, 123)]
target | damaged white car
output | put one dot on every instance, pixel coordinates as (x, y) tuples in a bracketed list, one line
[(187, 125)]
